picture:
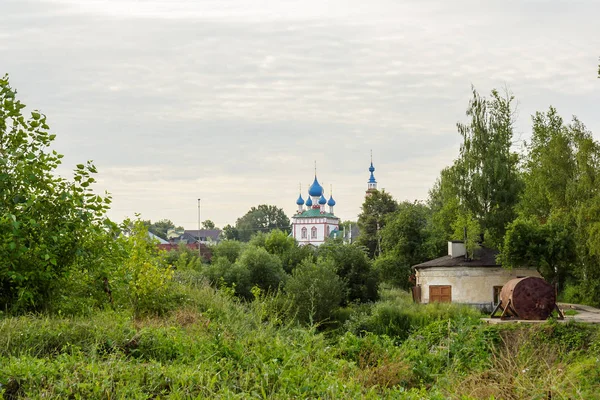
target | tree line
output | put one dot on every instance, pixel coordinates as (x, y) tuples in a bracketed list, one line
[(538, 207), (260, 219), (60, 253)]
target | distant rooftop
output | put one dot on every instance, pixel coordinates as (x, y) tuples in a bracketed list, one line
[(314, 213), (154, 237), (204, 234)]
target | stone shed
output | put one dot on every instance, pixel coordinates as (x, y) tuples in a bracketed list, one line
[(456, 279)]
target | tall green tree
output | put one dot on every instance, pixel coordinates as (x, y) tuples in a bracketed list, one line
[(467, 229), (230, 233), (48, 224), (375, 209), (549, 167), (484, 180), (486, 171), (406, 240), (584, 199), (560, 205), (347, 225), (549, 247), (208, 224), (444, 204), (406, 233), (263, 218)]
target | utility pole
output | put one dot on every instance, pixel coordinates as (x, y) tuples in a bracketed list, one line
[(378, 240), (199, 222)]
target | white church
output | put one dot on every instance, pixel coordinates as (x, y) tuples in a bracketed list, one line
[(312, 223)]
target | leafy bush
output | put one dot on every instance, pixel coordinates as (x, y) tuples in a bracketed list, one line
[(316, 290), (283, 246), (448, 346), (397, 316), (569, 337), (144, 278), (222, 272), (48, 224), (254, 267), (354, 267), (265, 269), (296, 255), (183, 258), (278, 242), (393, 270), (230, 249), (581, 293)]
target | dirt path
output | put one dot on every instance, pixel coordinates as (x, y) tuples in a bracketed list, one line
[(586, 314)]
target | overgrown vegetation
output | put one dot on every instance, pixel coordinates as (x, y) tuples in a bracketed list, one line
[(92, 309), (214, 346)]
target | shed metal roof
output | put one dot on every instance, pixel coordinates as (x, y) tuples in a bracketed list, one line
[(483, 257)]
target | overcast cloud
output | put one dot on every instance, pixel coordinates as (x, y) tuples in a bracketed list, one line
[(232, 101)]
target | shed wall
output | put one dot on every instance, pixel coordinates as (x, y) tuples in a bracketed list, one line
[(470, 285)]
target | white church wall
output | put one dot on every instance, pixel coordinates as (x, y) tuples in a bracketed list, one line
[(321, 225)]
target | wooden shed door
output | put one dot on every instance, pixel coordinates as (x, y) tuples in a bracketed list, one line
[(440, 294)]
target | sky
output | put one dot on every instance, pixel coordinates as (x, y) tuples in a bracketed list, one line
[(232, 102)]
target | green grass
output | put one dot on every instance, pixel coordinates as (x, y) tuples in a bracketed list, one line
[(215, 346), (397, 316)]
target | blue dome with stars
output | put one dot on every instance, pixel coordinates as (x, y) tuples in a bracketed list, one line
[(309, 202), (322, 200), (331, 201), (300, 201)]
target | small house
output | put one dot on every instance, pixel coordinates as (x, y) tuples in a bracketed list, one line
[(455, 278), (204, 236)]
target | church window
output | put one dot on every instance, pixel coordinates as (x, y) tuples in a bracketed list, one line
[(313, 232), (328, 230), (304, 232)]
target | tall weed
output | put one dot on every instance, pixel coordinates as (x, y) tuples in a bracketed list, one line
[(521, 367), (397, 316)]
